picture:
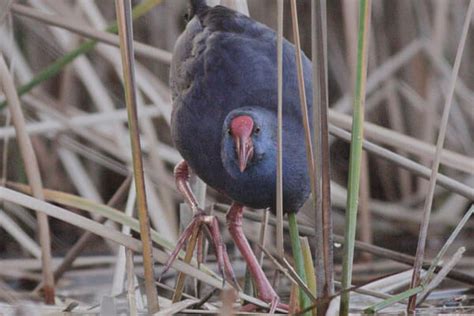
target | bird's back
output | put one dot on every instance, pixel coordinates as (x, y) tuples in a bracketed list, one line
[(224, 61)]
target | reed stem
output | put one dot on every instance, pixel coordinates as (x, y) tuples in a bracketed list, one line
[(305, 302), (124, 18), (56, 67), (355, 154)]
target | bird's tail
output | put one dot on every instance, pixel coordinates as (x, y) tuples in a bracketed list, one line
[(196, 7)]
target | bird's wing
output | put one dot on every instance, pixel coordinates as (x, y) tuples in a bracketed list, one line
[(223, 51), (223, 19), (194, 40), (180, 78)]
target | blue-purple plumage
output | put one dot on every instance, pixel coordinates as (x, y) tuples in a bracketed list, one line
[(224, 65)]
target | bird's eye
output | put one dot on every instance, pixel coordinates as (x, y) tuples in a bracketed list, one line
[(229, 131), (257, 130)]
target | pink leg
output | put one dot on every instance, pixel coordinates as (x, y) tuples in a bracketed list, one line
[(221, 250), (264, 288), (185, 235), (181, 173)]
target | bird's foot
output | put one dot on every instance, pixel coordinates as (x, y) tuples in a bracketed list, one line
[(265, 291), (202, 221), (274, 302)]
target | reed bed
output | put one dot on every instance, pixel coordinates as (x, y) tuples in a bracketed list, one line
[(89, 211)]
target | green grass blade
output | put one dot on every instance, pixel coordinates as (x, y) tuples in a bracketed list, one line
[(394, 299), (305, 302), (356, 154), (309, 268)]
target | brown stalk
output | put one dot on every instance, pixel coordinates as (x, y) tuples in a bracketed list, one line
[(405, 163), (262, 238), (187, 259), (310, 157), (33, 175), (84, 240), (303, 100), (361, 246), (324, 250), (420, 251), (115, 236), (279, 186), (124, 20), (410, 145), (89, 32)]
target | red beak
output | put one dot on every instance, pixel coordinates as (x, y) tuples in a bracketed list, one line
[(244, 150), (241, 128)]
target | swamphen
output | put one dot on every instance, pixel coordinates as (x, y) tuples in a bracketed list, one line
[(224, 122)]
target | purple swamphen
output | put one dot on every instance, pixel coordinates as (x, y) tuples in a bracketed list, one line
[(224, 123)]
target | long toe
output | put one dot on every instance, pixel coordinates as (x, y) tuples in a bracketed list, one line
[(222, 257), (229, 270), (180, 244)]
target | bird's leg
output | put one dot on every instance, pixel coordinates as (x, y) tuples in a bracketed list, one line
[(265, 291), (181, 172), (181, 175), (188, 231), (222, 257)]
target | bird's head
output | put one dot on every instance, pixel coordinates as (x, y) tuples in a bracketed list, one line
[(247, 137)]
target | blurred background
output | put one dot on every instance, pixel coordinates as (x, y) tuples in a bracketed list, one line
[(78, 124)]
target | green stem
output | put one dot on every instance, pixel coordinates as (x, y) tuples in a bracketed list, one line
[(248, 285), (305, 301), (392, 300), (56, 67), (309, 269), (356, 154)]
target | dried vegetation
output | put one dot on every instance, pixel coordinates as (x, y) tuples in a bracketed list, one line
[(68, 154)]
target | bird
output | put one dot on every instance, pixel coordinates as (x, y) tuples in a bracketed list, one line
[(223, 79)]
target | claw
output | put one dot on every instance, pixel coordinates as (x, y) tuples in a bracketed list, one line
[(211, 225), (223, 260), (212, 228), (265, 291), (179, 245), (221, 252)]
